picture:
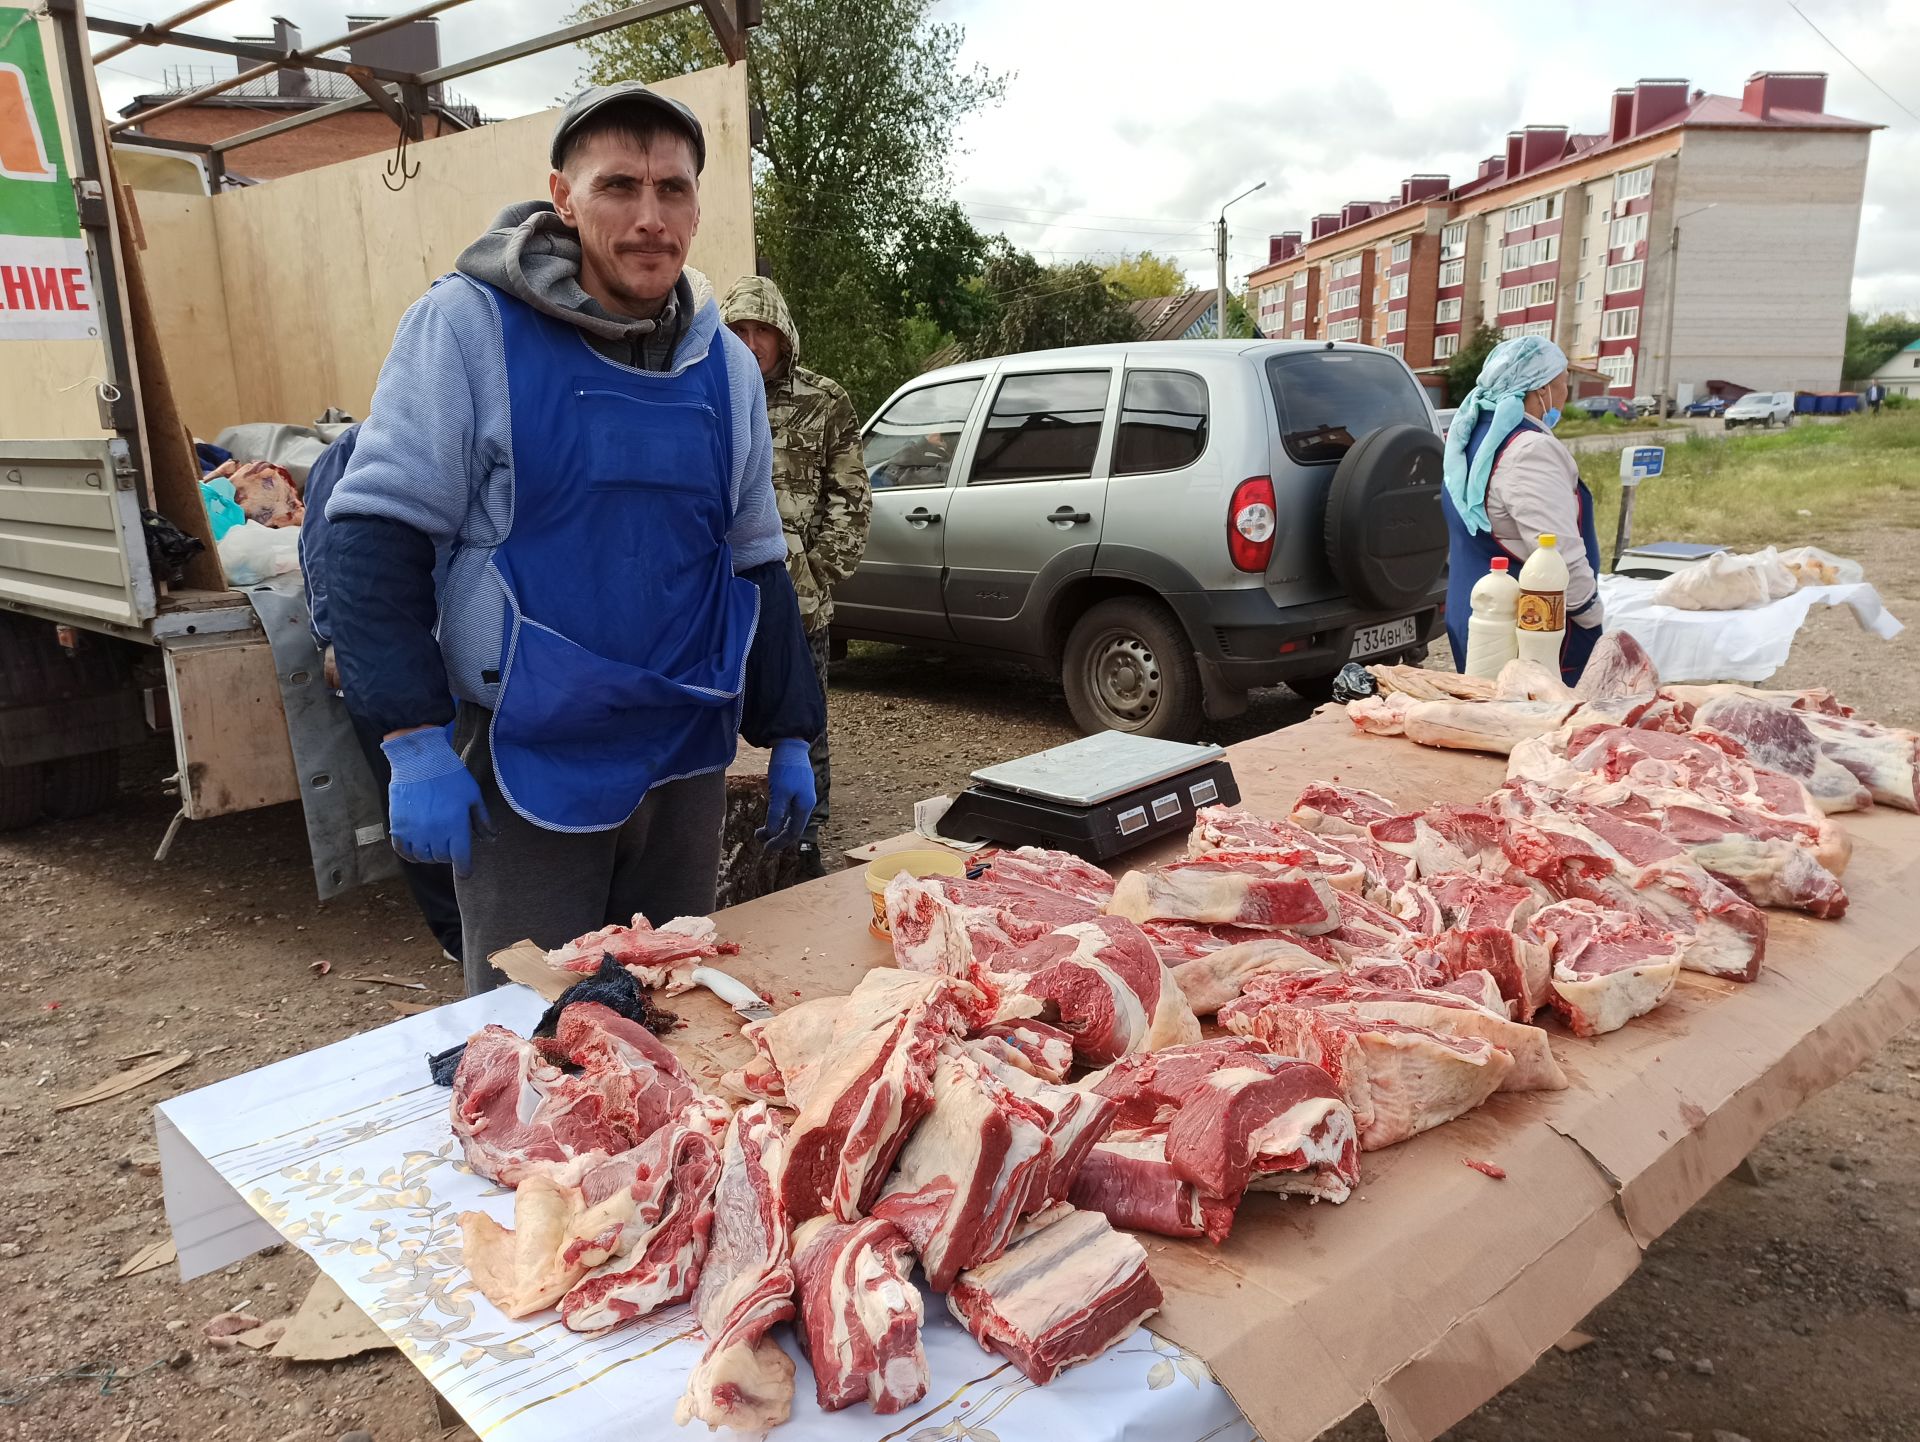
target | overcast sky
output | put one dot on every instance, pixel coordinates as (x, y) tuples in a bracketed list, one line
[(1128, 122)]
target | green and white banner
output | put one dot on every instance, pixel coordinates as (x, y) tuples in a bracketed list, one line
[(46, 286)]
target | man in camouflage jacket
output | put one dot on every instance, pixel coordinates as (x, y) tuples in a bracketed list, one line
[(819, 481)]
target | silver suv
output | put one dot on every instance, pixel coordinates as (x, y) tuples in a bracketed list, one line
[(1163, 525)]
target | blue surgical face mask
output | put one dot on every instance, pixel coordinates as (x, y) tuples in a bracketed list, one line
[(1551, 418)]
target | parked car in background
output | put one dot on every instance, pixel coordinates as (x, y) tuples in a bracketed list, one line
[(1706, 406), (1594, 407), (1162, 527), (1761, 408), (1443, 419), (1646, 405)]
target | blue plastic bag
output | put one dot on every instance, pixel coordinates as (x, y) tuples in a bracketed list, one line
[(223, 511)]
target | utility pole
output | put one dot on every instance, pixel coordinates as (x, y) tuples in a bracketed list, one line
[(1220, 258)]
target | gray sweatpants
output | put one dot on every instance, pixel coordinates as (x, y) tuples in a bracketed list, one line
[(548, 887)]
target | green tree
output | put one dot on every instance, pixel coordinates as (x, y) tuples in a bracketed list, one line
[(1038, 307), (859, 103), (1872, 341), (1463, 371), (1147, 276)]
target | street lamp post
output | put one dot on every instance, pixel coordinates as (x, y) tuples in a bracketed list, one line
[(1220, 256), (1665, 393)]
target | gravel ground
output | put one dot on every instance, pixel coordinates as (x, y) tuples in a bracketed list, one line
[(1786, 1310)]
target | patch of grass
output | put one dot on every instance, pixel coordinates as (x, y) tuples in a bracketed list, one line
[(1576, 425), (1771, 487)]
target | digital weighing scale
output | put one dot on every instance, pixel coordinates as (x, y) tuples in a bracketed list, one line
[(1095, 797)]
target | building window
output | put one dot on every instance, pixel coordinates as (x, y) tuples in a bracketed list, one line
[(1541, 292), (1519, 217), (1299, 310), (1344, 330), (1396, 287), (1453, 272), (1620, 324), (1346, 269), (1483, 270), (1300, 281), (1344, 299), (1513, 297), (1530, 252), (1396, 320), (1402, 250), (1447, 310), (1397, 349), (1589, 209), (1453, 241), (1628, 230), (1576, 334), (1583, 247), (1580, 290), (1618, 369), (1624, 277), (1542, 328), (1300, 335), (1444, 346), (1632, 184)]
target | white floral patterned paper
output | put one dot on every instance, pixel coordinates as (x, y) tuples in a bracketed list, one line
[(347, 1153)]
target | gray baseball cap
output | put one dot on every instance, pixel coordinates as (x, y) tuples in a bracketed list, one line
[(629, 94)]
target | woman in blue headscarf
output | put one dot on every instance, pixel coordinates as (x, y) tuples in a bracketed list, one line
[(1509, 482)]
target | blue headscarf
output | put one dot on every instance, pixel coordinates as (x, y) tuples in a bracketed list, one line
[(1513, 368)]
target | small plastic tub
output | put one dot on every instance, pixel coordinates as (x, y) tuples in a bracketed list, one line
[(882, 869)]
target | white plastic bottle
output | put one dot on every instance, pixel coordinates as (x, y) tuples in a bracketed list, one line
[(1540, 618), (1490, 629)]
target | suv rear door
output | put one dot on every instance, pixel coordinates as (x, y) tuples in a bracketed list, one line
[(1031, 507), (910, 449), (1325, 399)]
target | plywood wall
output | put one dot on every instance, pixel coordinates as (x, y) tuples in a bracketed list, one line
[(315, 270)]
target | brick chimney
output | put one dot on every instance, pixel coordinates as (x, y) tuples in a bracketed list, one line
[(1771, 90), (1324, 224), (294, 84), (1620, 116), (1655, 102), (1541, 146), (1283, 247)]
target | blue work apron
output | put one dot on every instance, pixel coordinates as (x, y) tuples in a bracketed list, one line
[(1470, 556), (625, 638)]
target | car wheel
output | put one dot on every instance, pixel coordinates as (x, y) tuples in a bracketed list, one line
[(19, 796), (1129, 667), (76, 786), (1316, 689)]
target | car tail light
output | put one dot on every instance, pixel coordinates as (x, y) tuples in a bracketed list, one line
[(1251, 524)]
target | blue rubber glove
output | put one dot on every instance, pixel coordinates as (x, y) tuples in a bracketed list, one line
[(790, 797), (433, 802)]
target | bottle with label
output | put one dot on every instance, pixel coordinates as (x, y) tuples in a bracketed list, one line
[(1490, 629), (1540, 615)]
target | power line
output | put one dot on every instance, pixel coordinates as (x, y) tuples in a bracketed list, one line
[(1850, 60)]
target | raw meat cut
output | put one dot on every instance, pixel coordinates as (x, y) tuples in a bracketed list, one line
[(1103, 983), (1493, 726), (1382, 715), (1067, 1290), (978, 1162), (948, 926), (1523, 680), (644, 1231), (1130, 1182), (1332, 810), (1073, 1118), (1260, 894), (1230, 836), (1582, 852), (1609, 966), (1885, 760), (1534, 1067), (1618, 666), (1420, 684), (1782, 739), (860, 1314), (1387, 871), (662, 959), (1212, 979), (1234, 1115), (743, 1379), (1369, 930), (1814, 699), (523, 1270), (1033, 1046), (787, 1046), (1518, 964), (1706, 763), (1060, 871), (1399, 1080), (1442, 838), (863, 1098), (516, 1113)]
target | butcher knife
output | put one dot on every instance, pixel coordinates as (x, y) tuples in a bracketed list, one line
[(745, 1001)]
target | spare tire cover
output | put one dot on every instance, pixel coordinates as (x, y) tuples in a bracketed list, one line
[(1386, 534)]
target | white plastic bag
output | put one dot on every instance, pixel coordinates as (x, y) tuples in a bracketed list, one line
[(1725, 581), (252, 553), (1815, 567)]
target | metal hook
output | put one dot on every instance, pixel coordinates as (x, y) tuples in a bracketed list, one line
[(398, 165)]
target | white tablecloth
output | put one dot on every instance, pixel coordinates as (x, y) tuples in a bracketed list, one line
[(346, 1153), (1744, 646)]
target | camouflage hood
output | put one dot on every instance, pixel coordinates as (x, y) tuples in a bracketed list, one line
[(754, 297)]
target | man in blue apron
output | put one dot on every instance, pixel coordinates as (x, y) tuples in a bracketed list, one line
[(590, 447), (1509, 482)]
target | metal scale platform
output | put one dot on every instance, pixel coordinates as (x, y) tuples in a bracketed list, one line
[(1095, 797)]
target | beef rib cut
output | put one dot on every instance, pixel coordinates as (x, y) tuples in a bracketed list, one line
[(743, 1379), (1783, 740), (1267, 894), (1103, 983), (1534, 1067), (1130, 1182), (1068, 1289), (1609, 966), (1333, 810), (860, 1314)]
